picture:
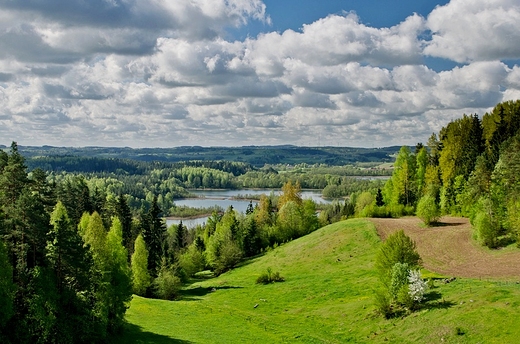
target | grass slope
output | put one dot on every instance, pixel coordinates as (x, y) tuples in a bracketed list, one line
[(327, 298)]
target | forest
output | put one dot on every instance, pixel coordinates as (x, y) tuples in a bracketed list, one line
[(470, 169), (80, 235)]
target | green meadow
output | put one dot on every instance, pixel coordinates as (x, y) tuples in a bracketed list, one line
[(327, 297)]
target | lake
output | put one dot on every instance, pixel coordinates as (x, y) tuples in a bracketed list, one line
[(225, 198)]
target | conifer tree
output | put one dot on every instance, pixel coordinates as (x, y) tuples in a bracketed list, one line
[(154, 233)]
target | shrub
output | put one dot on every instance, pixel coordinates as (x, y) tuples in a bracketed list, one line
[(417, 286), (399, 281), (398, 248), (192, 261), (383, 304), (230, 255), (167, 284), (486, 232), (427, 210), (269, 277)]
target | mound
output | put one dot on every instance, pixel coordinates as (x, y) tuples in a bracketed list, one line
[(450, 250)]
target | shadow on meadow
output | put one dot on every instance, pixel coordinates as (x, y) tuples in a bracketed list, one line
[(134, 334), (434, 300), (194, 294)]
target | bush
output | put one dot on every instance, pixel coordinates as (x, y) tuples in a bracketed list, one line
[(167, 284), (192, 261), (427, 210), (383, 304), (485, 232), (230, 255), (399, 281), (398, 248), (269, 277), (417, 286)]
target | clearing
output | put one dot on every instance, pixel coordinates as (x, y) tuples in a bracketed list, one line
[(449, 249)]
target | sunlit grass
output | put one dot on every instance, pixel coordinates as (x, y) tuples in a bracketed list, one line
[(327, 297)]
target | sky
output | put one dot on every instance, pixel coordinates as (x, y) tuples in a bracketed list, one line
[(162, 73)]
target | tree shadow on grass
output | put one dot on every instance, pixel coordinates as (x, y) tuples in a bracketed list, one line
[(434, 300), (135, 334), (195, 294), (446, 224)]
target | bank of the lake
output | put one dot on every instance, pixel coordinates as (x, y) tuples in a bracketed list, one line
[(226, 198)]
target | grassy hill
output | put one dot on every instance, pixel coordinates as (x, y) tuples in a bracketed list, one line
[(327, 298)]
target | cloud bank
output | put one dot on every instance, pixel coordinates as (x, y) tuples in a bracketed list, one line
[(165, 73)]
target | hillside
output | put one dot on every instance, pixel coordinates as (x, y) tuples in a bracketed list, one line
[(327, 298)]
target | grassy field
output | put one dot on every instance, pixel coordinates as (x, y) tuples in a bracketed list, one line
[(327, 298)]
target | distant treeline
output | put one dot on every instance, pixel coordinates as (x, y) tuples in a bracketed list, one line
[(257, 156)]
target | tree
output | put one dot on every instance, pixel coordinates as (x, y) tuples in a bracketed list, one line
[(182, 236), (154, 233), (290, 193), (427, 210), (379, 198), (141, 279), (401, 187), (119, 292), (124, 213), (71, 265), (397, 248), (7, 288), (422, 163)]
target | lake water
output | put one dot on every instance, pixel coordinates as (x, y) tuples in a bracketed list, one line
[(225, 198)]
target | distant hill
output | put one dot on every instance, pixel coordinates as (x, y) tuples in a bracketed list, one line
[(254, 155)]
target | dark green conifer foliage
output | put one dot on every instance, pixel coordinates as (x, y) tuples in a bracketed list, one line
[(154, 233)]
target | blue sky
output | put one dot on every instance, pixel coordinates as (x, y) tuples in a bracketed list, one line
[(293, 14), (161, 73)]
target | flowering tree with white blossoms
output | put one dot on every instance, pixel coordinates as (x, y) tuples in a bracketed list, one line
[(416, 285)]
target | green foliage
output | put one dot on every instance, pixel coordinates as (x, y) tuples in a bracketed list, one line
[(397, 248), (166, 284), (153, 230), (192, 260), (399, 282), (485, 225), (229, 256), (364, 200), (141, 279), (383, 303), (7, 288), (120, 290), (269, 277), (427, 210)]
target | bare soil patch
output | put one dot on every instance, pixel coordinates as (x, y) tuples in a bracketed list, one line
[(449, 249)]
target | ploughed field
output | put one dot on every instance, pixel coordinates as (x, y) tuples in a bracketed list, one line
[(449, 249)]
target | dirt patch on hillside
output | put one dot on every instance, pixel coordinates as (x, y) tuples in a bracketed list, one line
[(449, 249)]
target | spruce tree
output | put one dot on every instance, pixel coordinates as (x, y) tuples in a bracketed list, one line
[(154, 232)]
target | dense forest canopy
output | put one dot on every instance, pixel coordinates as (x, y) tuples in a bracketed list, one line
[(257, 156)]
